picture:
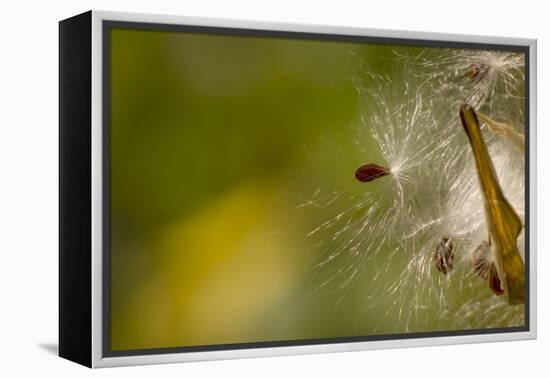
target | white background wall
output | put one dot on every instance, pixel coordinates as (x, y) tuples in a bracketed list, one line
[(28, 185)]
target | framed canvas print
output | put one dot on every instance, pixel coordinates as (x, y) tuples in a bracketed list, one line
[(236, 189)]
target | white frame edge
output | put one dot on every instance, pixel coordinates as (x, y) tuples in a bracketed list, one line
[(97, 186), (97, 189)]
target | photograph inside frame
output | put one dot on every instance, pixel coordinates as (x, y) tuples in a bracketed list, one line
[(276, 188)]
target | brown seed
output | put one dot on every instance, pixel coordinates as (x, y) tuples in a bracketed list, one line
[(370, 172), (477, 72), (485, 268), (443, 255), (494, 281), (480, 259)]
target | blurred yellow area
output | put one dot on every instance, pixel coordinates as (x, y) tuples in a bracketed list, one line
[(215, 142), (223, 269)]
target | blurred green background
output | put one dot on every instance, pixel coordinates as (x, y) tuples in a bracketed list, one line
[(215, 142)]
